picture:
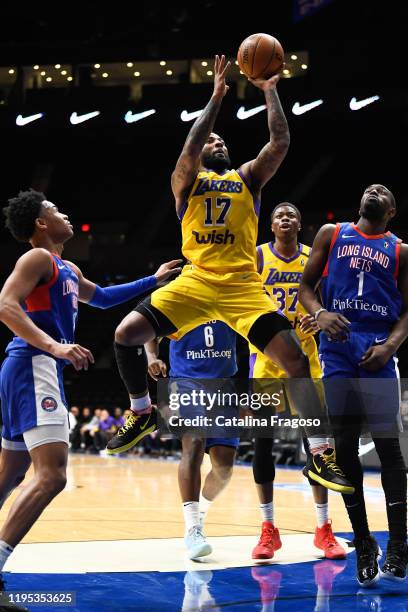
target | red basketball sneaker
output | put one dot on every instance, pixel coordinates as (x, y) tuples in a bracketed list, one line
[(268, 542), (325, 540)]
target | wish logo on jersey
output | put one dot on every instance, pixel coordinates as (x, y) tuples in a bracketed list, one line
[(213, 237)]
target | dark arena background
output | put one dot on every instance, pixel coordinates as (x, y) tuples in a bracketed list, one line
[(134, 74)]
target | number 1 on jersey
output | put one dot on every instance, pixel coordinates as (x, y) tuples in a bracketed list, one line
[(360, 277)]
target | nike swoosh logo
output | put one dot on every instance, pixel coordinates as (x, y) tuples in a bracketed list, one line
[(245, 114), (143, 427), (21, 121), (380, 339), (186, 116), (366, 448), (133, 117), (357, 104), (75, 118), (60, 267), (395, 503), (347, 236), (318, 470), (300, 109)]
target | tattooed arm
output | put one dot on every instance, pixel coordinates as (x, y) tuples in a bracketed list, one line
[(189, 161), (258, 171)]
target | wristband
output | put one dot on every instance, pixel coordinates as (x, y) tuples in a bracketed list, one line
[(318, 312)]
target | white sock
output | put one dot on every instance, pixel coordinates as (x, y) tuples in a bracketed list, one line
[(322, 514), (318, 445), (267, 511), (5, 552), (191, 511), (137, 404), (204, 505)]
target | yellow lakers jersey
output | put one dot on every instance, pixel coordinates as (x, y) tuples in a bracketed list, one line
[(219, 223), (281, 278)]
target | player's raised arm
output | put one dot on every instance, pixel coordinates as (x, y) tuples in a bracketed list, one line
[(377, 356), (334, 324), (189, 161), (107, 297), (258, 171), (32, 268)]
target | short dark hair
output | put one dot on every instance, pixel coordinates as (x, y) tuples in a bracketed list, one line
[(21, 213), (295, 208)]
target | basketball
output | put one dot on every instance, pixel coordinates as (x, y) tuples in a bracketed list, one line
[(260, 56)]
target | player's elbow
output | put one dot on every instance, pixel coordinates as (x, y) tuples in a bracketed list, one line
[(7, 307)]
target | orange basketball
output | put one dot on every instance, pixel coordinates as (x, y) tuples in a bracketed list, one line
[(260, 56)]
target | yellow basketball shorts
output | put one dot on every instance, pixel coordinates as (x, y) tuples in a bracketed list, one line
[(264, 369), (198, 296)]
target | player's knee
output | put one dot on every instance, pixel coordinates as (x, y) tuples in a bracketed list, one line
[(193, 450), (223, 472), (122, 333), (53, 482), (297, 365)]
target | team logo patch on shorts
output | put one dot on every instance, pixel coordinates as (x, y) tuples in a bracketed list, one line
[(49, 404)]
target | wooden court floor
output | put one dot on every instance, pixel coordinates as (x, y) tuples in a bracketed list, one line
[(111, 498)]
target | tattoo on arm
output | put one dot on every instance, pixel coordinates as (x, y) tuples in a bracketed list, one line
[(202, 127), (277, 123), (187, 164), (273, 153)]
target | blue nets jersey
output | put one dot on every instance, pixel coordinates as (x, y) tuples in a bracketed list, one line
[(53, 307), (360, 277), (208, 351)]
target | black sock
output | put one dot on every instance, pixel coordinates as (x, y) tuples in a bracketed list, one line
[(132, 366), (357, 514), (394, 482)]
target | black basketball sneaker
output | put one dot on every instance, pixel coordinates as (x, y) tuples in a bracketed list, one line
[(323, 469), (368, 553), (395, 565), (137, 426)]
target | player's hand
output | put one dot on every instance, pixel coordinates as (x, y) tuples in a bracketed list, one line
[(76, 354), (156, 368), (265, 84), (170, 268), (376, 357), (335, 325), (308, 324), (221, 68)]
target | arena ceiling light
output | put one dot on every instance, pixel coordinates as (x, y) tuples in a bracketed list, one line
[(187, 116), (357, 104), (301, 109), (22, 121), (133, 117), (75, 118)]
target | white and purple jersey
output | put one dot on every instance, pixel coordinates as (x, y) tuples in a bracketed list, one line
[(360, 277), (53, 307)]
